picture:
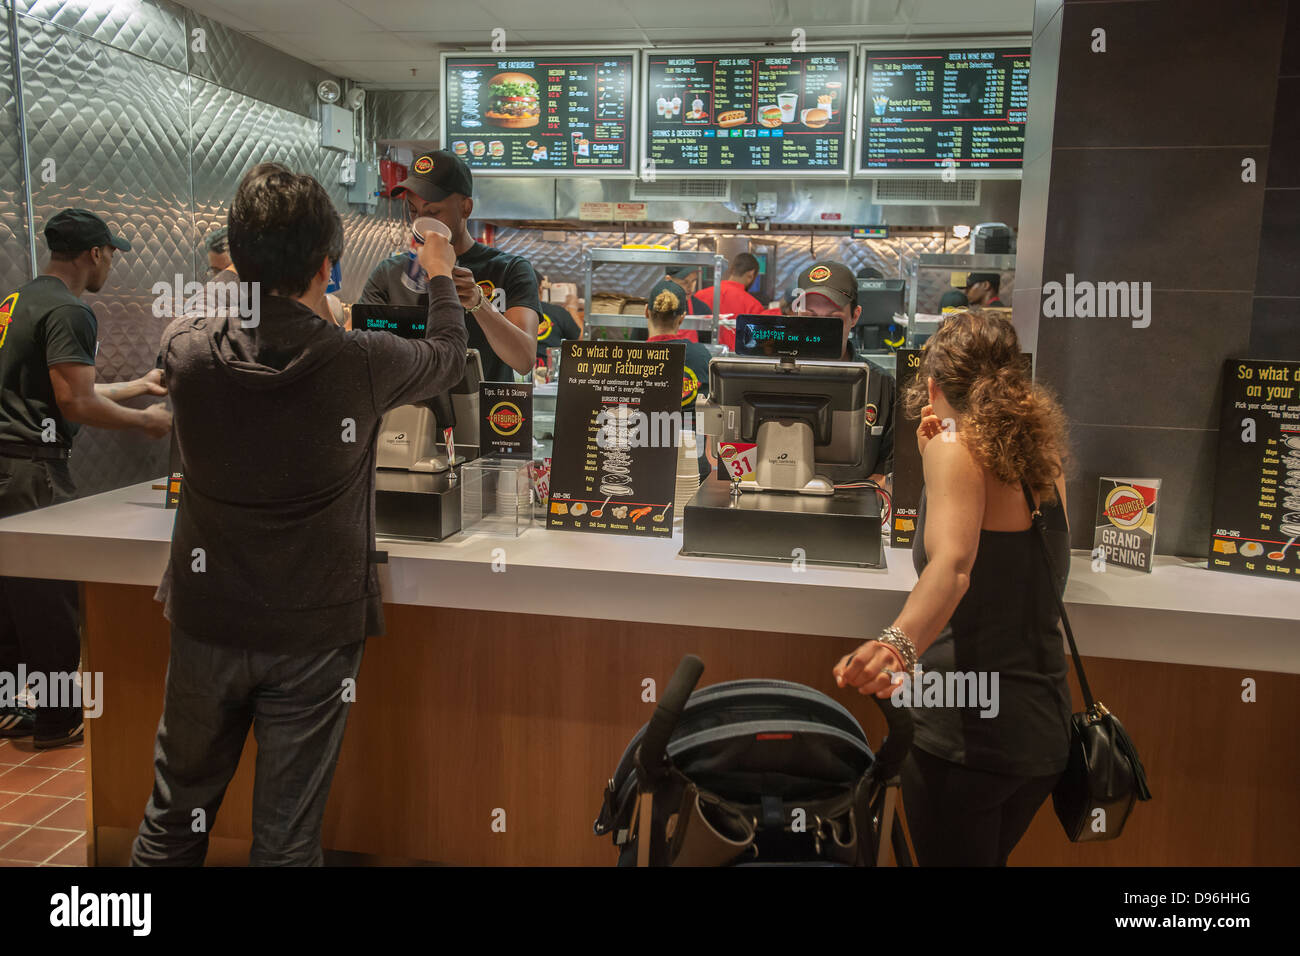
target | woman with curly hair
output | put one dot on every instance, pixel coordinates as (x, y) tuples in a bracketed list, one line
[(982, 614)]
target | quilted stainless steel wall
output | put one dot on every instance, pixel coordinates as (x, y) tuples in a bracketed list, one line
[(405, 116), (15, 262), (148, 29)]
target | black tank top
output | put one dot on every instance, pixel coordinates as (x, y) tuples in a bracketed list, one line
[(1006, 625)]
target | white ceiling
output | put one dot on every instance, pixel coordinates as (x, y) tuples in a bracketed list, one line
[(395, 43)]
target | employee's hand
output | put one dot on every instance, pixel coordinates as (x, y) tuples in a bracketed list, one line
[(929, 427), (151, 383), (436, 255), (466, 287), (865, 668), (157, 421)]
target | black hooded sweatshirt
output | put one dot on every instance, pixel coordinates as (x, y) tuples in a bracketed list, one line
[(277, 426)]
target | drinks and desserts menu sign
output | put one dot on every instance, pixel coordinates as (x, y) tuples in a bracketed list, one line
[(1256, 516), (931, 109), (618, 411), (761, 113), (539, 114)]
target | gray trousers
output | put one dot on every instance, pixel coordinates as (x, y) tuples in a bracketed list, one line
[(214, 694)]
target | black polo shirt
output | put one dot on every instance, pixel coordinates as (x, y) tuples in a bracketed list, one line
[(41, 324), (554, 325), (492, 268)]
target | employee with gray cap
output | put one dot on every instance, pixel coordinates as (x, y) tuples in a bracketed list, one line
[(47, 388), (504, 332)]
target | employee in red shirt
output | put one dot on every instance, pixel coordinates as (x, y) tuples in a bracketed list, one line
[(664, 313), (735, 300)]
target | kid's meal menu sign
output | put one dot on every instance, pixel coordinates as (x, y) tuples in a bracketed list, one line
[(759, 113), (1256, 517), (618, 416)]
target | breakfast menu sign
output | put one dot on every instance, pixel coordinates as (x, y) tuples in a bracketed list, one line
[(1256, 516), (618, 411), (540, 114), (772, 113)]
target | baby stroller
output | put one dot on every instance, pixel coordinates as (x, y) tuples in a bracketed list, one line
[(755, 772)]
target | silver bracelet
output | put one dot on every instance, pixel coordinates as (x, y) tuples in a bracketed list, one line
[(894, 638)]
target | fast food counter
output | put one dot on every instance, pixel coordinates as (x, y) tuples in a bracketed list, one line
[(513, 672)]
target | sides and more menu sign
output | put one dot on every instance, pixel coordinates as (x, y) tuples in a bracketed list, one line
[(505, 427), (617, 411), (544, 114), (932, 109), (1256, 515), (757, 113)]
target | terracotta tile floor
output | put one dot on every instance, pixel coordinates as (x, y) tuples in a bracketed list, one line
[(42, 805)]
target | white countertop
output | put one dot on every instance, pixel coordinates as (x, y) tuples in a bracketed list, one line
[(1180, 612)]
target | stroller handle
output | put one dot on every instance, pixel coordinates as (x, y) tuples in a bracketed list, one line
[(654, 745), (899, 740)]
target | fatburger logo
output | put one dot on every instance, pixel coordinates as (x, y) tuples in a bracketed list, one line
[(871, 414), (1126, 507), (690, 388), (6, 316), (505, 418), (820, 274), (424, 164), (544, 326)]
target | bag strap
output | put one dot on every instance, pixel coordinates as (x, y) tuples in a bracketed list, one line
[(1040, 529)]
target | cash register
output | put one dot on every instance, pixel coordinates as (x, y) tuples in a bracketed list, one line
[(422, 446), (787, 392)]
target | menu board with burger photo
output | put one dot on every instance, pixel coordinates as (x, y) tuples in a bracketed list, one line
[(546, 114), (936, 109), (1256, 515), (761, 113)]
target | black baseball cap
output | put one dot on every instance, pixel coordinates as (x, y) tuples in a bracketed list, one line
[(832, 280), (437, 175), (992, 278), (681, 272), (673, 289), (76, 230)]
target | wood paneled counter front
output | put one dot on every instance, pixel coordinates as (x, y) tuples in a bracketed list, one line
[(511, 679)]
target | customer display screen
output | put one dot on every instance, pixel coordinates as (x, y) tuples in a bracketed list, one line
[(936, 109), (809, 337), (772, 113), (407, 321), (548, 114)]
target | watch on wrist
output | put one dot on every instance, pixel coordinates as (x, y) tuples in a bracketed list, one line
[(481, 299)]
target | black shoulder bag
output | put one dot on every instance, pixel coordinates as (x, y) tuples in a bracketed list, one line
[(1104, 778)]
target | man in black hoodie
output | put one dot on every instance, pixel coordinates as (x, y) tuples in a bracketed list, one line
[(271, 590)]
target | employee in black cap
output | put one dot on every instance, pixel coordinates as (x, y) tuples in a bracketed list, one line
[(829, 288), (47, 388), (981, 292), (440, 186)]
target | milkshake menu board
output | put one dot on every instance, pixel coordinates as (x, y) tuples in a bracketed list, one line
[(729, 112), (618, 412), (936, 109), (1255, 525), (543, 114)]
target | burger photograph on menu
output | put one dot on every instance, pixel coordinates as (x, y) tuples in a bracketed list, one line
[(513, 101)]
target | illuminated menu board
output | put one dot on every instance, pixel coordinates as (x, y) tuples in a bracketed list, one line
[(936, 109), (544, 114), (777, 113)]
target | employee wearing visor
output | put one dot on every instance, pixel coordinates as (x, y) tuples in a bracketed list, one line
[(504, 331), (829, 288)]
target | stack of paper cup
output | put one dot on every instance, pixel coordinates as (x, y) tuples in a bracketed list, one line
[(688, 475)]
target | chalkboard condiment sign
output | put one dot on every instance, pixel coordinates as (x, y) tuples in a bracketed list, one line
[(618, 416), (1256, 517)]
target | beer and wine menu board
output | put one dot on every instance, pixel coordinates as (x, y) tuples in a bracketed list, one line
[(1256, 514), (776, 113), (936, 109), (543, 114)]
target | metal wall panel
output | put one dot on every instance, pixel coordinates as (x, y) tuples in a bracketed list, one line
[(116, 127), (15, 261), (239, 62), (403, 115), (152, 29)]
